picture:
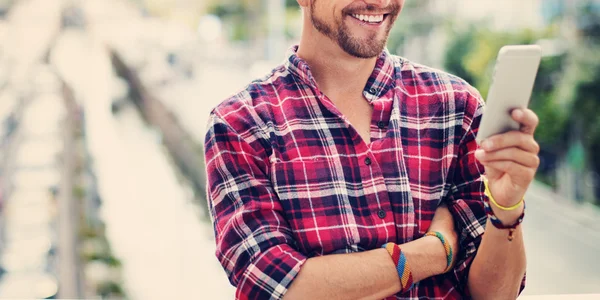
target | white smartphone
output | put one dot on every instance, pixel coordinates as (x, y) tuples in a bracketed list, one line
[(514, 75)]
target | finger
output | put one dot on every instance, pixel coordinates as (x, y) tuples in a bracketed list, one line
[(513, 154), (522, 173), (511, 139), (527, 118)]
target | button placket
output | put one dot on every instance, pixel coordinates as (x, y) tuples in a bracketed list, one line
[(378, 204)]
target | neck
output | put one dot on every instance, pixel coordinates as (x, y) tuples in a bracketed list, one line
[(336, 72)]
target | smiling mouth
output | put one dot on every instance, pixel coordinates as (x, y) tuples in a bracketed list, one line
[(370, 19)]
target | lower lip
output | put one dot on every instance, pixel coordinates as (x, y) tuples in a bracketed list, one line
[(363, 23)]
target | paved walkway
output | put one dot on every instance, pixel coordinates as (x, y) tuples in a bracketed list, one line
[(151, 221), (35, 224)]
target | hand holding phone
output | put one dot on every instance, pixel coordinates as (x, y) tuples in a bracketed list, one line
[(514, 75)]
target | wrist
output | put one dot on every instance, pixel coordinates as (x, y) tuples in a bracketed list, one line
[(508, 217), (506, 222), (402, 266), (427, 257), (441, 257)]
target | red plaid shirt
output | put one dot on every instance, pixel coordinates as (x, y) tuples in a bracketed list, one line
[(289, 178)]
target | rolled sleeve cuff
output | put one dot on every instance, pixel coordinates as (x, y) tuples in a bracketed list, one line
[(271, 274), (463, 265), (461, 275)]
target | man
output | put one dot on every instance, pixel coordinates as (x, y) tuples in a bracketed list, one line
[(345, 149)]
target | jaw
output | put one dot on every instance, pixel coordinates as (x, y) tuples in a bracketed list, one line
[(359, 33)]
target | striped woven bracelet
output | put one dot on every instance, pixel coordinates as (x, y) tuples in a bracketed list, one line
[(447, 247), (402, 266), (498, 224)]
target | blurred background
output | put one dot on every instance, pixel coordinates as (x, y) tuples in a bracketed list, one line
[(103, 107)]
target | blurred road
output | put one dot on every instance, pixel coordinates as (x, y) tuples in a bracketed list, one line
[(563, 243), (151, 222), (33, 227)]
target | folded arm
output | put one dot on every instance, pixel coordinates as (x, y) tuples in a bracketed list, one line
[(255, 243), (372, 274)]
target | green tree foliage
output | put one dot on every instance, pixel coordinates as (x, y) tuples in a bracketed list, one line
[(237, 15), (246, 18), (462, 44), (566, 94), (415, 20), (291, 4), (579, 88)]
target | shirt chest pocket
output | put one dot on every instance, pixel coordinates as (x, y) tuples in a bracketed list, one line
[(315, 203)]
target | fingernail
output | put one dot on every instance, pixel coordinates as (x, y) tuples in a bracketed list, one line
[(518, 113)]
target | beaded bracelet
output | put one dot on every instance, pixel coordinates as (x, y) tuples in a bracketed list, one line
[(402, 266), (447, 247), (488, 193), (495, 221)]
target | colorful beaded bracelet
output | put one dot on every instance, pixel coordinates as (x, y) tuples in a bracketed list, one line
[(402, 266), (447, 247)]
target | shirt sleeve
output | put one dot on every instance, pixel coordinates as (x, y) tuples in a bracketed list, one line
[(254, 242), (467, 195)]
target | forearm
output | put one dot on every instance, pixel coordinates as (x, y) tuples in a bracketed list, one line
[(365, 275), (499, 266)]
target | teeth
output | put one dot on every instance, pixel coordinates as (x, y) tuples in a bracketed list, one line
[(369, 18)]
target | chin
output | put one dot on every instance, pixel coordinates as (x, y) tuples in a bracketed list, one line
[(363, 49)]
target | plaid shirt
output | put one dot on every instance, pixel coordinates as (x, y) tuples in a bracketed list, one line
[(289, 178)]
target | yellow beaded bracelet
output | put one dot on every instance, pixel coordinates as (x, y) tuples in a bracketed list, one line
[(488, 193)]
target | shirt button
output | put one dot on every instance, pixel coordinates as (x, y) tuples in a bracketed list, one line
[(381, 124), (381, 214), (368, 161), (373, 91)]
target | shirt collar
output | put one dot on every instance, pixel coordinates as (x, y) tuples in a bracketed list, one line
[(379, 83)]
